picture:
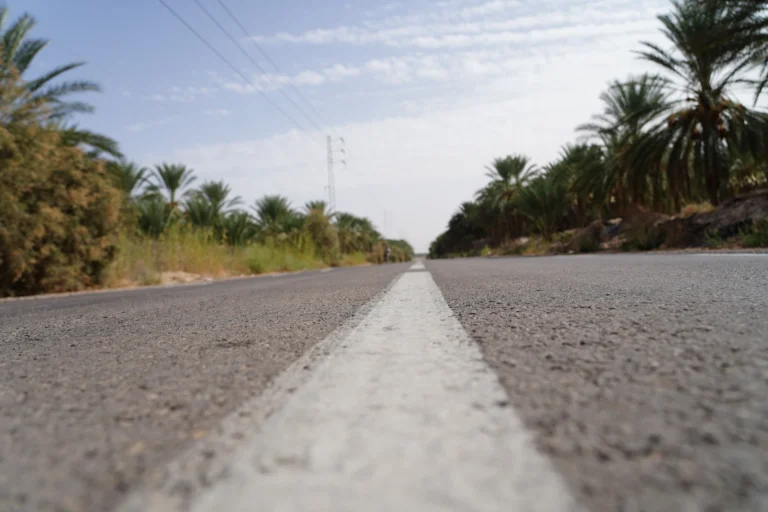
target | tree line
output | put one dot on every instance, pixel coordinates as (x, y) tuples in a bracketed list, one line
[(67, 194), (164, 197), (661, 141)]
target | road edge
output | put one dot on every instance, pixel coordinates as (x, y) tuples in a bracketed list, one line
[(176, 484)]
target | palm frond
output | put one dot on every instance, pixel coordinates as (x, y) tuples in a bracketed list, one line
[(27, 52), (37, 83)]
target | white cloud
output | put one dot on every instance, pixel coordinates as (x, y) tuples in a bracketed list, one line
[(492, 7), (272, 81), (182, 94), (586, 19), (340, 71), (378, 11), (218, 112), (392, 70), (142, 126)]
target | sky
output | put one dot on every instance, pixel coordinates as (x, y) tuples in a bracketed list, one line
[(424, 93)]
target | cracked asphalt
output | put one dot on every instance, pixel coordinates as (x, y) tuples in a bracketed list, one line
[(643, 377)]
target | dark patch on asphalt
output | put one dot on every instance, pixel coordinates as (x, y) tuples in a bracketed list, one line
[(644, 378), (97, 389)]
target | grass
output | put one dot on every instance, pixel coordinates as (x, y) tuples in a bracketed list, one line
[(694, 208), (354, 259), (642, 235), (271, 258), (536, 246), (757, 235), (142, 261), (713, 240)]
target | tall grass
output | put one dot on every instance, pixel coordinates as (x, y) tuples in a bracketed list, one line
[(281, 257), (143, 260), (757, 235)]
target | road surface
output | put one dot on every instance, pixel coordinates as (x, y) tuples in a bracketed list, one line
[(597, 383)]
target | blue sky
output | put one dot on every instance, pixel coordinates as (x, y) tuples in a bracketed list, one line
[(425, 93)]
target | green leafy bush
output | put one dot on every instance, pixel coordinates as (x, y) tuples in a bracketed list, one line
[(757, 236), (643, 235), (59, 214)]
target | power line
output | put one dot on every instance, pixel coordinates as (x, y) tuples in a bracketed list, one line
[(253, 61), (274, 65), (228, 63)]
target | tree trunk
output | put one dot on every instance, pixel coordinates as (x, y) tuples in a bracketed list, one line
[(711, 167), (656, 187)]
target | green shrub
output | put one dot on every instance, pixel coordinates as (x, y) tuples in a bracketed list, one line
[(713, 240), (59, 214), (324, 235), (642, 235), (757, 235), (279, 258)]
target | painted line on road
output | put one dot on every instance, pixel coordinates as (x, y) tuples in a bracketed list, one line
[(741, 254), (401, 413), (417, 266)]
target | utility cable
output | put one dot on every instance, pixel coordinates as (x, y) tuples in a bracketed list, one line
[(253, 61), (232, 66), (273, 63)]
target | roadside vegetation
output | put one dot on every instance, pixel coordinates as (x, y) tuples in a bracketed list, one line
[(674, 159), (76, 214)]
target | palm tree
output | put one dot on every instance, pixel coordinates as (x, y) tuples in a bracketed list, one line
[(544, 201), (238, 228), (129, 176), (628, 109), (274, 215), (173, 179), (347, 225), (744, 32), (217, 194), (582, 169), (508, 176), (154, 216), (466, 226), (47, 99), (200, 212), (356, 233), (705, 124), (318, 206)]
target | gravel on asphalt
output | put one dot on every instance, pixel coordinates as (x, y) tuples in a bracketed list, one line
[(644, 377), (96, 389)]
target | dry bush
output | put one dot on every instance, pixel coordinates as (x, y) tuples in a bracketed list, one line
[(59, 213)]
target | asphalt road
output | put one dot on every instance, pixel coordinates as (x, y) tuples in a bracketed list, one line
[(95, 389), (643, 379)]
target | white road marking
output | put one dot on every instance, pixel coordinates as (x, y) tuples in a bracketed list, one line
[(403, 415), (749, 254), (417, 266)]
